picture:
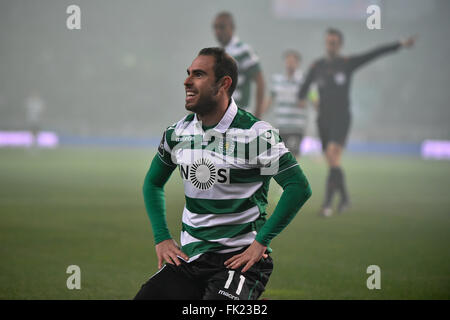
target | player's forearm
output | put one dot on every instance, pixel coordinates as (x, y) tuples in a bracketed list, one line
[(266, 105), (260, 89), (306, 84), (153, 191), (296, 191)]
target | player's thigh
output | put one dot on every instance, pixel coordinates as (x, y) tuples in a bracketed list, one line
[(292, 141), (323, 129), (231, 284), (170, 283)]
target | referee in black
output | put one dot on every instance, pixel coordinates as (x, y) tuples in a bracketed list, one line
[(332, 74)]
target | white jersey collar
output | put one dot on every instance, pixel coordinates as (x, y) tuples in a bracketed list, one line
[(226, 120)]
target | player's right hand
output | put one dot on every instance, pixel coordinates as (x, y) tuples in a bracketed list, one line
[(302, 103), (408, 43), (167, 251)]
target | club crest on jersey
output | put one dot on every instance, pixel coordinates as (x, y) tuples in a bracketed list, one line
[(203, 174), (225, 147)]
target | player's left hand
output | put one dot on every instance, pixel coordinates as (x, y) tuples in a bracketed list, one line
[(249, 257), (302, 103)]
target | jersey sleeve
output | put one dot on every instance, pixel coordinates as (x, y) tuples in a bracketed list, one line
[(253, 70), (165, 148), (357, 61), (153, 192), (276, 161), (250, 64), (272, 155), (310, 77), (296, 191)]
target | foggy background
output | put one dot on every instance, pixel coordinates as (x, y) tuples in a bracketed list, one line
[(122, 74)]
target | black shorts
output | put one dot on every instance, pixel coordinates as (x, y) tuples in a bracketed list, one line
[(207, 278), (292, 140), (334, 129)]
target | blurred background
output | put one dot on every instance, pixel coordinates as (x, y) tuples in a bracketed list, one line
[(101, 96), (127, 63)]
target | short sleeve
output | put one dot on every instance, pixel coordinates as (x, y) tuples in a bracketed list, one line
[(250, 63), (272, 156)]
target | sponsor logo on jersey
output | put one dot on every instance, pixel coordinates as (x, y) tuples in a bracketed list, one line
[(203, 174), (184, 138)]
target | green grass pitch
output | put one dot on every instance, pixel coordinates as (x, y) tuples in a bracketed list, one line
[(83, 206)]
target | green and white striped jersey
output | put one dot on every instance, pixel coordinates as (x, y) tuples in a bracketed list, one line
[(248, 66), (288, 116), (226, 172)]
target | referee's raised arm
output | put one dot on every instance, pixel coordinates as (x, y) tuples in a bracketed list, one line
[(357, 61)]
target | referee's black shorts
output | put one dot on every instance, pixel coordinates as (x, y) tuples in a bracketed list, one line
[(333, 129), (292, 140), (207, 278)]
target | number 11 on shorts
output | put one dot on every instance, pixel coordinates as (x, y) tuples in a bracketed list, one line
[(230, 279)]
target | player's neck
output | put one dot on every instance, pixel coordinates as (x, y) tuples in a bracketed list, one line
[(233, 39), (333, 56), (212, 118), (290, 74)]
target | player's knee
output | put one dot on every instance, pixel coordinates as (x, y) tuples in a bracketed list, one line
[(334, 161)]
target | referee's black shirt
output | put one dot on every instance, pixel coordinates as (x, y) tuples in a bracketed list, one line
[(333, 77)]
